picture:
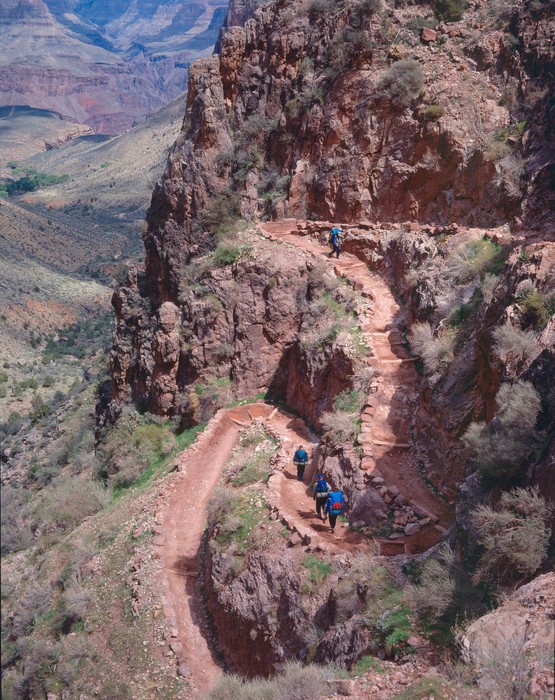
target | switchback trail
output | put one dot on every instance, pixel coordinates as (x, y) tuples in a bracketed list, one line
[(385, 440), (385, 437), (184, 519)]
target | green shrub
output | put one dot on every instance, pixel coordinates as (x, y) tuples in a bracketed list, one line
[(433, 113), (538, 308), (39, 408), (349, 401), (503, 447), (318, 570), (33, 181), (514, 534), (450, 10), (226, 254), (401, 83)]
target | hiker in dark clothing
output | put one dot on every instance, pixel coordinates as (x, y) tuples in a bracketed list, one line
[(335, 240), (335, 505), (300, 459), (321, 491)]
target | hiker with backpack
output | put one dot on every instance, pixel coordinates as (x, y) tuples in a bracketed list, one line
[(335, 505), (321, 491), (300, 460), (335, 241)]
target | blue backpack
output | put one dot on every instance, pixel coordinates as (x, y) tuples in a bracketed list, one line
[(337, 502), (322, 486)]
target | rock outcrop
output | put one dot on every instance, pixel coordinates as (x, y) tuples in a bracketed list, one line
[(511, 646)]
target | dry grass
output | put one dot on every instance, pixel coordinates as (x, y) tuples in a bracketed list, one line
[(435, 351), (511, 343)]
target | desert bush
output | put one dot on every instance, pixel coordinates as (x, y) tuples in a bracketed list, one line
[(350, 50), (134, 444), (450, 10), (223, 210), (71, 501), (503, 447), (292, 682), (298, 682), (341, 428), (511, 343), (537, 308), (417, 24), (226, 254), (258, 125), (401, 84), (514, 535), (487, 286), (433, 112), (16, 533), (435, 352), (510, 170), (40, 660), (475, 258), (235, 522), (435, 590), (349, 401), (33, 603)]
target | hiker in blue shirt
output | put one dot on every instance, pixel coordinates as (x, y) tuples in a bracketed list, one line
[(335, 505), (300, 459), (335, 240), (321, 491)]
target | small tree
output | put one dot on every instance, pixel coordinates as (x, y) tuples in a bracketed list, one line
[(514, 535)]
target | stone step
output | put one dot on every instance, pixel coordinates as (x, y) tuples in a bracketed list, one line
[(386, 443)]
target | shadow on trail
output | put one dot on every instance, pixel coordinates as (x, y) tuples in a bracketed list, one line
[(186, 566)]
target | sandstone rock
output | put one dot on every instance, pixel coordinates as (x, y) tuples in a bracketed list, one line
[(295, 539), (412, 529), (428, 34), (517, 632), (346, 687)]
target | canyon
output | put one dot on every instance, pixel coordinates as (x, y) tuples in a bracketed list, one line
[(417, 368), (107, 65)]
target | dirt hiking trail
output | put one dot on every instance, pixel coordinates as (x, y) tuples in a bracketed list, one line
[(386, 421), (184, 520), (385, 440)]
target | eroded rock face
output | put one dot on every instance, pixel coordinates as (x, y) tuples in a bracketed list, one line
[(519, 636), (261, 615)]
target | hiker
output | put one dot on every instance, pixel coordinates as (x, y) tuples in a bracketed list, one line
[(335, 505), (321, 491), (335, 241), (300, 459)]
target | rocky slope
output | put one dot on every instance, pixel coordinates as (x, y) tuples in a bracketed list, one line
[(108, 65)]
